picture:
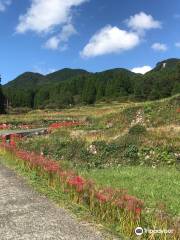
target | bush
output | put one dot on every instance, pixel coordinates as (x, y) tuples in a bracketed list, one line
[(137, 130), (131, 154)]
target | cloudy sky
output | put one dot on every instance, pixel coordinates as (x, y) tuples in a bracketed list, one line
[(47, 35)]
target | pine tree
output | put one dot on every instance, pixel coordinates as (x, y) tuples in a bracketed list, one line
[(89, 93), (2, 100)]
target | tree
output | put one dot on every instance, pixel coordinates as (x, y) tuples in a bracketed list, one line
[(41, 98), (89, 92), (2, 100), (100, 89), (176, 88)]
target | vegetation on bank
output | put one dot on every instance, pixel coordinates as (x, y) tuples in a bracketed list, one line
[(114, 207), (140, 134)]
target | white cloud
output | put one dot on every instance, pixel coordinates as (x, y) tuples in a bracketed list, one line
[(110, 40), (177, 16), (141, 70), (159, 47), (4, 4), (54, 42), (44, 15), (177, 44), (141, 21)]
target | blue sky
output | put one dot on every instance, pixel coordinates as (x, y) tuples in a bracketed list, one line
[(44, 36)]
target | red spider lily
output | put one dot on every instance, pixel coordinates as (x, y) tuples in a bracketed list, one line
[(64, 124), (51, 167), (14, 138), (64, 175), (102, 198), (132, 203), (138, 212), (80, 189), (127, 197), (77, 182), (120, 203), (4, 126)]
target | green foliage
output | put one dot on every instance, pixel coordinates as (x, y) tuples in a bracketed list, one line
[(2, 101), (155, 156), (89, 93), (137, 129), (131, 152), (68, 87)]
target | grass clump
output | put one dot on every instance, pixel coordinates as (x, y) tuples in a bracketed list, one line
[(137, 129)]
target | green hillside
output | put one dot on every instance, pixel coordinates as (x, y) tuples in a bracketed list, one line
[(27, 80), (65, 74), (30, 80), (75, 86)]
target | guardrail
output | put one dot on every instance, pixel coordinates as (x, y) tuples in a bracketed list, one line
[(11, 136)]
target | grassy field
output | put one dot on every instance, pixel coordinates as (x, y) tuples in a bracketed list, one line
[(132, 146), (153, 186)]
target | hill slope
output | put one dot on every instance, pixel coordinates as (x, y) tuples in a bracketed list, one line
[(30, 80), (75, 86)]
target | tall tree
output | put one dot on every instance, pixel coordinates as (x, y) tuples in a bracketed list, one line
[(2, 100), (89, 92)]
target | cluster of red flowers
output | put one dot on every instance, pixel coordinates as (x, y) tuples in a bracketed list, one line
[(178, 110), (76, 182), (83, 189), (108, 204), (4, 126), (64, 124)]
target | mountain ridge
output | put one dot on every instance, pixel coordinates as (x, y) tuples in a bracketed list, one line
[(67, 73), (75, 86)]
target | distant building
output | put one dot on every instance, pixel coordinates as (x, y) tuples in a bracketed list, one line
[(164, 65)]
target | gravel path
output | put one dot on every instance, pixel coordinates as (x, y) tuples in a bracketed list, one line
[(25, 215)]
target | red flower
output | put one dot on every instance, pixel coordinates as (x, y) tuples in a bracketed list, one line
[(138, 211), (71, 181), (101, 197), (4, 126), (64, 124)]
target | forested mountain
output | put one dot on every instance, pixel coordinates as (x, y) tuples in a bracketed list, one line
[(30, 80), (27, 80), (68, 86), (163, 81), (65, 74)]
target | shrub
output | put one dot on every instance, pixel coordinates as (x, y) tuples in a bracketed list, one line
[(131, 154), (137, 130)]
